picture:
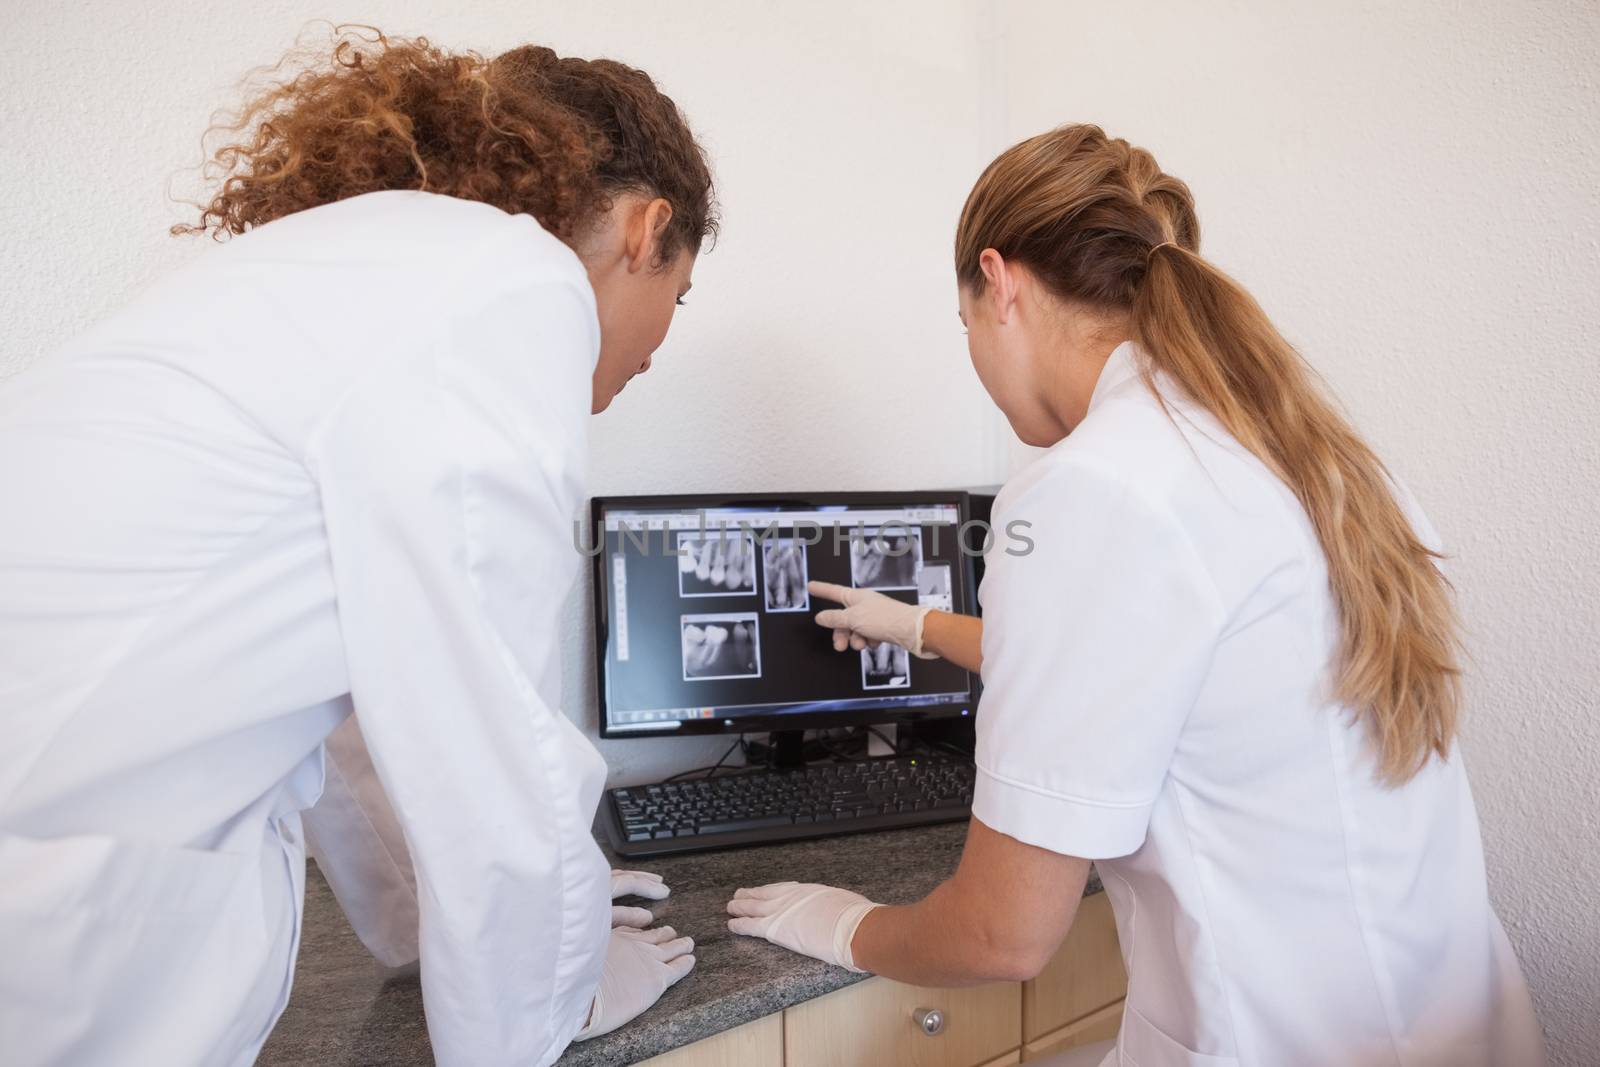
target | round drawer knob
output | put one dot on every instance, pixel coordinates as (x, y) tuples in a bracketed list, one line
[(929, 1020)]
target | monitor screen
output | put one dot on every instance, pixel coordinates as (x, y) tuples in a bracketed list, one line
[(704, 623)]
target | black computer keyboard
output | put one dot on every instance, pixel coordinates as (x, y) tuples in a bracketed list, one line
[(762, 806)]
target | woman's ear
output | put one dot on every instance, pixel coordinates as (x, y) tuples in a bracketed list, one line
[(650, 224), (1001, 287)]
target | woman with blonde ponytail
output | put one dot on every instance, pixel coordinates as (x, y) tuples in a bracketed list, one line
[(1227, 671)]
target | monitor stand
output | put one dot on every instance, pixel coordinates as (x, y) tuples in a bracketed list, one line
[(787, 749)]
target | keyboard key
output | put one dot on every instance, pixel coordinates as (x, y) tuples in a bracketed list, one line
[(736, 825)]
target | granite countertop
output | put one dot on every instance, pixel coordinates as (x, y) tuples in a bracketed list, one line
[(346, 1010)]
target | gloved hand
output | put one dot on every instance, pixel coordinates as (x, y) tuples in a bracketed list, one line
[(816, 920), (640, 966), (635, 884), (869, 618)]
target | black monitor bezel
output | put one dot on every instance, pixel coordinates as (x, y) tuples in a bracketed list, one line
[(747, 724)]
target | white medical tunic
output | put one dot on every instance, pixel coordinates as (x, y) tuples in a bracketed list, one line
[(1157, 680), (332, 463)]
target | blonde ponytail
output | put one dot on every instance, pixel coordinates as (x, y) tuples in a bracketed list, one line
[(1100, 224)]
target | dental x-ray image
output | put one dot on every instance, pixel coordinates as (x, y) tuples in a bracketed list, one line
[(784, 564), (885, 559), (933, 587), (885, 667), (718, 563), (724, 645)]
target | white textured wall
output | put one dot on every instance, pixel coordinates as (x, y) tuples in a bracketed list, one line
[(1409, 189)]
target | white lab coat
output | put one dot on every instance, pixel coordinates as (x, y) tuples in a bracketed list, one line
[(1155, 675), (334, 460)]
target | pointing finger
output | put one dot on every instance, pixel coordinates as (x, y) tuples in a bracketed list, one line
[(829, 591)]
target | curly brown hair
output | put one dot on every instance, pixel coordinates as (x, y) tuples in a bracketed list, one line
[(529, 132)]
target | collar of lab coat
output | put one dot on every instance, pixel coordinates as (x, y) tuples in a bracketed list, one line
[(1123, 365)]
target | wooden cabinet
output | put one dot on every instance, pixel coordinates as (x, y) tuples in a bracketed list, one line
[(1085, 975), (876, 1022), (1077, 999), (757, 1044), (1010, 1059), (1099, 1026)]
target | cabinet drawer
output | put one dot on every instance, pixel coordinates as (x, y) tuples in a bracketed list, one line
[(873, 1023), (1099, 1026), (1086, 974), (757, 1044)]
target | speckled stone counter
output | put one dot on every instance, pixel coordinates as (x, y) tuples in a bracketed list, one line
[(347, 1011)]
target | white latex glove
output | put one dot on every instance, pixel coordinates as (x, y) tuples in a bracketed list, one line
[(869, 618), (640, 966), (817, 920), (635, 884)]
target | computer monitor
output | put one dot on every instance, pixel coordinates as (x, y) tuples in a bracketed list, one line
[(704, 624)]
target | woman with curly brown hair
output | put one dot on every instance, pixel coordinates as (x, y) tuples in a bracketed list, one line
[(331, 465)]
